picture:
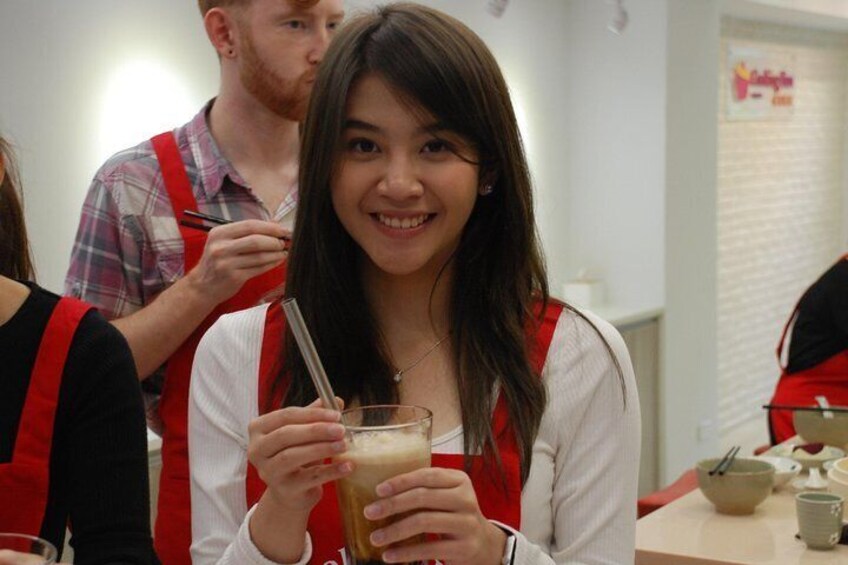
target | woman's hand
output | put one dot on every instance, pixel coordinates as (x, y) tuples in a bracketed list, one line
[(288, 447), (442, 502)]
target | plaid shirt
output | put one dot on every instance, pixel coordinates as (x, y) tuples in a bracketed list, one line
[(128, 247)]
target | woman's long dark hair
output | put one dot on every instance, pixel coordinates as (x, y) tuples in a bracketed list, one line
[(438, 66), (15, 258)]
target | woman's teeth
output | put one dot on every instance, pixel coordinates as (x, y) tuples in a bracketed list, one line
[(402, 223)]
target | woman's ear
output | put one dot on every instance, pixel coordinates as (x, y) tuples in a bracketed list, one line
[(487, 183)]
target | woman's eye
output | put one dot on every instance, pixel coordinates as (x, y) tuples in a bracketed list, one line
[(362, 146), (435, 146), (295, 24)]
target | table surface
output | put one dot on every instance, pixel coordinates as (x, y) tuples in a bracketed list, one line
[(689, 531)]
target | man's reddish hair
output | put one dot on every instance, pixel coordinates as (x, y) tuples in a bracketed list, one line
[(206, 5)]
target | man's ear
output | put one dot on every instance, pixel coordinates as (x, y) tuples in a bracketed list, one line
[(221, 29)]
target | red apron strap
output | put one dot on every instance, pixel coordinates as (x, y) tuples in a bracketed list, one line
[(25, 481), (269, 366), (176, 180), (35, 431), (270, 360), (541, 332)]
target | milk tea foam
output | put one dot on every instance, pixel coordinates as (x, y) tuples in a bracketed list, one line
[(377, 456)]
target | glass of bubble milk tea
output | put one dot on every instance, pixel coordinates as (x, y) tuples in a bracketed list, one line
[(382, 442)]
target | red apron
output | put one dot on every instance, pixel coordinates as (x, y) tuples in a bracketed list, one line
[(828, 378), (496, 503), (25, 481), (172, 537)]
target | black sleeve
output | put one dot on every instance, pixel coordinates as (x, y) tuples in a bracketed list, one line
[(839, 298), (106, 437)]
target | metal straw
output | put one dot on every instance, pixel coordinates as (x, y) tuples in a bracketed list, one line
[(310, 354)]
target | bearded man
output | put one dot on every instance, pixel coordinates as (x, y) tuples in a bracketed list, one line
[(161, 281)]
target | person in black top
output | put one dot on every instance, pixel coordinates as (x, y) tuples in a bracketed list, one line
[(73, 443), (817, 363), (821, 327)]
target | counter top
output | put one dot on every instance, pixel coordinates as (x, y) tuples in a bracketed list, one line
[(689, 531)]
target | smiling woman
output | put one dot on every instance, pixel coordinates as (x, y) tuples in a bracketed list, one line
[(403, 191), (415, 255)]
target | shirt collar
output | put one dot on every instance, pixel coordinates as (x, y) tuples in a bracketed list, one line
[(212, 167)]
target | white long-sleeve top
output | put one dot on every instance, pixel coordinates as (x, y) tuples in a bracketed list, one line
[(577, 506)]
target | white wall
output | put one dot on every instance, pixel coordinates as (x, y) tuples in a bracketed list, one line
[(615, 148), (688, 399), (70, 97)]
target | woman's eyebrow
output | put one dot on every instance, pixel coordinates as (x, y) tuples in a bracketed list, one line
[(351, 123)]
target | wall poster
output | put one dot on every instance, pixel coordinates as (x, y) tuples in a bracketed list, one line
[(762, 83)]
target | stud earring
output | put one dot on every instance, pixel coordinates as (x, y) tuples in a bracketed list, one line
[(486, 189)]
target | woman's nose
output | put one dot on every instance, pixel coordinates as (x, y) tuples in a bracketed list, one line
[(400, 181)]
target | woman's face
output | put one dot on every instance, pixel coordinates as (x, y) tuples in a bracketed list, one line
[(402, 190)]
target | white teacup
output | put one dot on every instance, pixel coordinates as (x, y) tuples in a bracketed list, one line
[(819, 518)]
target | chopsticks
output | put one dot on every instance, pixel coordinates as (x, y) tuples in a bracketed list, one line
[(803, 408), (726, 461), (208, 218)]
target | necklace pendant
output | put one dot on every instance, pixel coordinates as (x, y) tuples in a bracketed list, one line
[(398, 377)]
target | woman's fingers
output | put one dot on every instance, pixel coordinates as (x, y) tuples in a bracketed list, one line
[(290, 458), (444, 550), (295, 435), (429, 477), (449, 500), (271, 421), (451, 524)]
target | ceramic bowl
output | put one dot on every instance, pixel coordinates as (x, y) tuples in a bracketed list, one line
[(819, 459), (840, 469), (815, 428), (785, 469), (740, 489)]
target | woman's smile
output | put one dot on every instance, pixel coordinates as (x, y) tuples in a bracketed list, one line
[(406, 185), (402, 225)]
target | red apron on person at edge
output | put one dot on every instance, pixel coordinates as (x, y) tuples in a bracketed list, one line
[(828, 378), (496, 503), (172, 538), (25, 481)]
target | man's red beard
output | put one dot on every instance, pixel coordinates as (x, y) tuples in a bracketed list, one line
[(286, 98)]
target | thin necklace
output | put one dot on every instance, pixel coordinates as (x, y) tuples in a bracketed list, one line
[(398, 376)]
